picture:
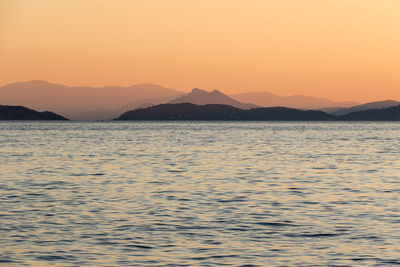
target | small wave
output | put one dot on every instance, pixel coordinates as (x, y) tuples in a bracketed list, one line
[(276, 224), (313, 235)]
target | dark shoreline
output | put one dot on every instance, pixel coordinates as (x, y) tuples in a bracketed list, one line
[(216, 112), (213, 112)]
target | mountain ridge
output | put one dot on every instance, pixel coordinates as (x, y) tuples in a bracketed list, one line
[(202, 97), (108, 102), (383, 114), (367, 106), (266, 99), (73, 101), (216, 112)]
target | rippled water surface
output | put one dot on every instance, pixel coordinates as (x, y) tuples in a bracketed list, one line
[(199, 193)]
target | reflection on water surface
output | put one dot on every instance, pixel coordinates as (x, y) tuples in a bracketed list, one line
[(199, 193)]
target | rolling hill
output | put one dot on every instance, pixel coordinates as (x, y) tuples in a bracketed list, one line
[(383, 114), (366, 106)]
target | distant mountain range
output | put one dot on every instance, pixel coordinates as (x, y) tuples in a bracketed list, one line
[(189, 111), (265, 99), (104, 103), (23, 113), (80, 103)]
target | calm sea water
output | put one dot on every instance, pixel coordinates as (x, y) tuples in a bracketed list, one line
[(199, 193)]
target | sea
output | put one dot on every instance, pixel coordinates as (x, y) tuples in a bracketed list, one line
[(199, 193)]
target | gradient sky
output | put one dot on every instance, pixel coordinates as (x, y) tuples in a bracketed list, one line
[(339, 49)]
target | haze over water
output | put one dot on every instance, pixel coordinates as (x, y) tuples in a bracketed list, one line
[(199, 193)]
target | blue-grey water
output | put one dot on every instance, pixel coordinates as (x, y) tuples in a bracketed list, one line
[(199, 194)]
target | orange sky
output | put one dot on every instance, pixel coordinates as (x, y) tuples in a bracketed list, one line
[(339, 49)]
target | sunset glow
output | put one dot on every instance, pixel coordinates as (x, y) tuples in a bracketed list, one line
[(199, 132), (342, 49)]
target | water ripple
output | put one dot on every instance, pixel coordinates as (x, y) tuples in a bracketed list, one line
[(199, 194)]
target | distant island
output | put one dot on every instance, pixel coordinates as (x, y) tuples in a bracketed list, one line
[(189, 111), (23, 113), (215, 112), (383, 114), (218, 112)]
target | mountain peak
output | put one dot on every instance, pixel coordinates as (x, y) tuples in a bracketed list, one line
[(201, 91), (215, 91), (32, 83), (197, 90), (202, 97)]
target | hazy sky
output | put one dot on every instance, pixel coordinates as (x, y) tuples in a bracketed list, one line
[(340, 49)]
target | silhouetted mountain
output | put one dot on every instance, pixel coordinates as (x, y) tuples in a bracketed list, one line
[(384, 114), (265, 99), (23, 113), (189, 111), (366, 106), (105, 103), (201, 97), (80, 102)]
